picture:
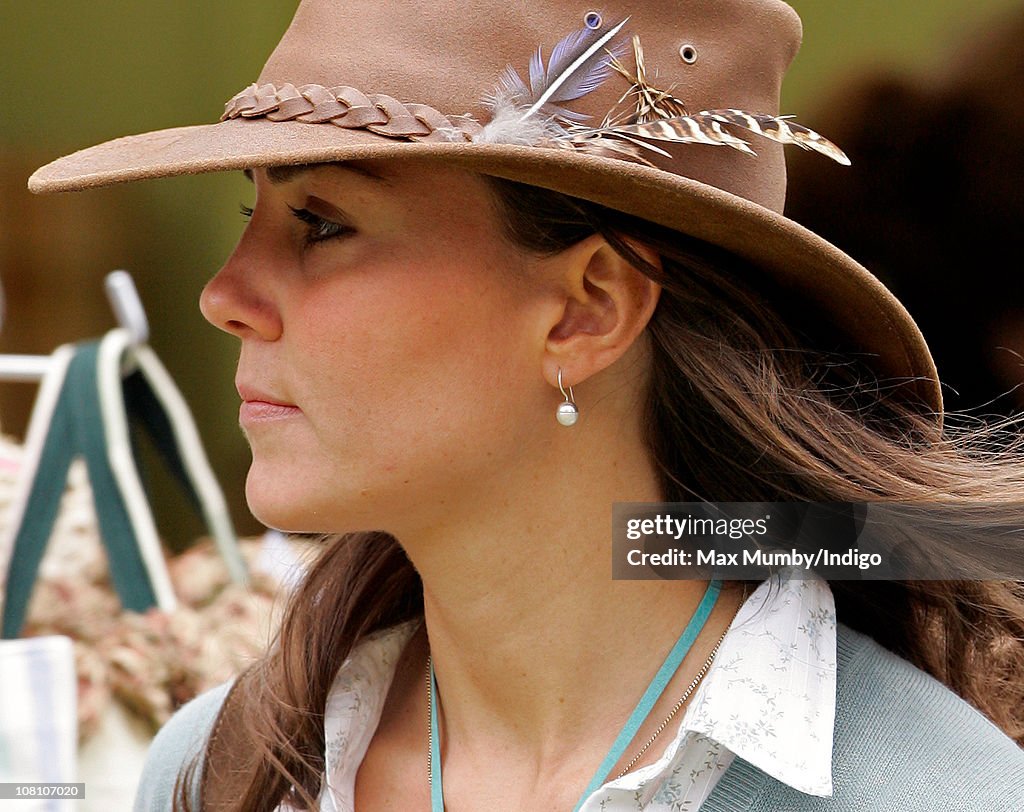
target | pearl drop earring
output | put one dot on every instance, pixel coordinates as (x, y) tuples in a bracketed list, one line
[(567, 413)]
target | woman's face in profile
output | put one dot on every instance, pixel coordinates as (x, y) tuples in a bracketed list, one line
[(389, 344)]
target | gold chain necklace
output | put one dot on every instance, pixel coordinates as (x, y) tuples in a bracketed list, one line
[(675, 708)]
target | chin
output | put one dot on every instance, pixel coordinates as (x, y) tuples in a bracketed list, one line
[(278, 506), (282, 503)]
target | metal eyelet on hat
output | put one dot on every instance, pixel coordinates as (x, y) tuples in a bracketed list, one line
[(688, 53), (592, 20)]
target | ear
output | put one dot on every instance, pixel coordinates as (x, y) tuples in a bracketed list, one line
[(606, 304)]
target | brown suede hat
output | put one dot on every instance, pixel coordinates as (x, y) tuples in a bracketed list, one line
[(665, 109)]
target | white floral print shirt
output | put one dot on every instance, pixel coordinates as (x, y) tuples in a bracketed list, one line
[(769, 697)]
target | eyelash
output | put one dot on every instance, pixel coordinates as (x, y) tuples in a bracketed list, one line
[(319, 229)]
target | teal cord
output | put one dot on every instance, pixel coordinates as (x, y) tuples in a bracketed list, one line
[(629, 730), (654, 690), (436, 792)]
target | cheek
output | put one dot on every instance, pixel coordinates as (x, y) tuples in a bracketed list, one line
[(419, 314), (438, 357)]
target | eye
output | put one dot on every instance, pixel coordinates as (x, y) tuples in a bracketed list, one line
[(245, 211), (320, 229)]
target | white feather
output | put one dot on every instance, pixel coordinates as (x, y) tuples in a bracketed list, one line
[(507, 125)]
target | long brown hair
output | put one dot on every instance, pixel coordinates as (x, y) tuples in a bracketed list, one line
[(740, 407)]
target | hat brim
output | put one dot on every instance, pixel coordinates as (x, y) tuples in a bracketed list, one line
[(800, 262)]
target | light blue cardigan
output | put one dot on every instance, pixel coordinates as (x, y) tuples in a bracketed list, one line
[(903, 743)]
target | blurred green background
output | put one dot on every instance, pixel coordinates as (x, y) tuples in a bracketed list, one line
[(74, 73)]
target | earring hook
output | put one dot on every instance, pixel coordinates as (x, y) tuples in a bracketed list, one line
[(568, 398)]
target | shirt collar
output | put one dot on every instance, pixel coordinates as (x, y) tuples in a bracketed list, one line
[(769, 696), (353, 710)]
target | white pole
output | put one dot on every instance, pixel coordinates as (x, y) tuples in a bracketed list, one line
[(127, 306)]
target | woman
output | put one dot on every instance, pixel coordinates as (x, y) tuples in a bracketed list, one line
[(464, 337)]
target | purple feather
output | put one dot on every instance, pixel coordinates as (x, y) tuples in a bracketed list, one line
[(579, 63), (562, 53), (537, 75)]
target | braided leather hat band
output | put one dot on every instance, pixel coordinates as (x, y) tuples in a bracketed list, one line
[(350, 109)]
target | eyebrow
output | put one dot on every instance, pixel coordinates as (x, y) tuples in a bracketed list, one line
[(284, 174)]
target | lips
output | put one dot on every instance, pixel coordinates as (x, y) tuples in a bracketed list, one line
[(259, 406)]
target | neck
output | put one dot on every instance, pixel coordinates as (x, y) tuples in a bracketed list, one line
[(532, 642), (536, 664)]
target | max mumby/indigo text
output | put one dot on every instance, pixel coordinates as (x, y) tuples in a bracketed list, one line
[(755, 558)]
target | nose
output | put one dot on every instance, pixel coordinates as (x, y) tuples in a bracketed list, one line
[(240, 298)]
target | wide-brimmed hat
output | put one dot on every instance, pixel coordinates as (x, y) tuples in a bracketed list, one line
[(664, 109)]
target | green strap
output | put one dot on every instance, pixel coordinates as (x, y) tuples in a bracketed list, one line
[(147, 414), (153, 406), (40, 514), (127, 569), (76, 428)]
